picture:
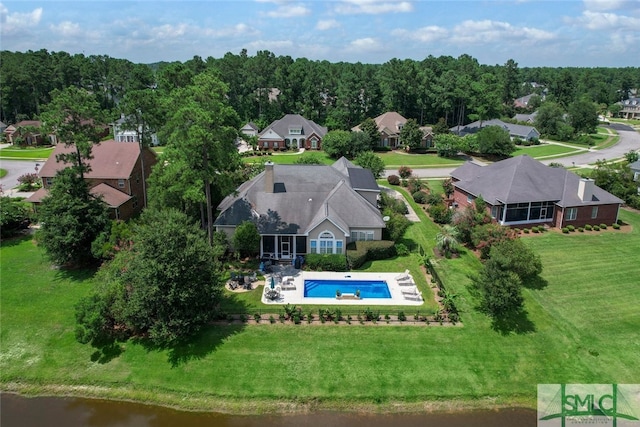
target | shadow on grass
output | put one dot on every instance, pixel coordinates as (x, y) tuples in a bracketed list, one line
[(76, 274), (107, 349), (516, 322), (536, 283)]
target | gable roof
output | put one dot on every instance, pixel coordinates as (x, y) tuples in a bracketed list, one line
[(111, 160), (281, 127), (305, 196), (513, 129), (251, 126), (387, 123), (635, 165), (113, 197), (523, 179)]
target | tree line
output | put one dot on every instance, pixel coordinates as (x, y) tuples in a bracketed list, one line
[(340, 95)]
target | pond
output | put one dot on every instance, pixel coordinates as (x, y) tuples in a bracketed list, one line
[(18, 411)]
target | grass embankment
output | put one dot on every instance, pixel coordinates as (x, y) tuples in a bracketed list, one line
[(3, 173), (581, 327), (27, 153), (547, 150)]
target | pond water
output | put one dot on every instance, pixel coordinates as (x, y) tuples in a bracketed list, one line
[(18, 411)]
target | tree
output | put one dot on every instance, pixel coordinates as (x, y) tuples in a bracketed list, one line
[(337, 143), (14, 215), (448, 144), (201, 157), (369, 160), (441, 127), (447, 240), (74, 116), (165, 285), (514, 255), (583, 116), (617, 179), (632, 156), (411, 135), (447, 186), (71, 219), (370, 128), (549, 119), (309, 159), (495, 141), (500, 291), (246, 238)]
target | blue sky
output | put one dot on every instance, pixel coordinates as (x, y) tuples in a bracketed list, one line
[(534, 33)]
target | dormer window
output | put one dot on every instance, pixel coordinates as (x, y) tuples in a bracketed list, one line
[(295, 130)]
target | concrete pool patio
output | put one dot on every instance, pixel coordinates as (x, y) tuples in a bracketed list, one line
[(291, 288)]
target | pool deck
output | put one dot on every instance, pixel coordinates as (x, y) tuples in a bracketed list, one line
[(294, 293)]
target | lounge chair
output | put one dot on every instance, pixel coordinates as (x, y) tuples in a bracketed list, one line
[(406, 282), (404, 275), (233, 285), (288, 284), (254, 277), (410, 291), (416, 297)]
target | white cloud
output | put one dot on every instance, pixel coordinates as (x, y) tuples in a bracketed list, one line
[(367, 44), (327, 24), (287, 10), (609, 4), (66, 29), (424, 35), (487, 31), (13, 23), (620, 43), (272, 45), (372, 7), (606, 21)]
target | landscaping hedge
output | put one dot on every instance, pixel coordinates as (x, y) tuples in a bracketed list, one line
[(362, 251), (322, 262)]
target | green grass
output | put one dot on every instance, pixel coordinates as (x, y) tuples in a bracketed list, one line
[(547, 150), (3, 173), (27, 153), (391, 159), (581, 327)]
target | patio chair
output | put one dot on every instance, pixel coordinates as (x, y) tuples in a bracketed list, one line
[(410, 291), (406, 282), (247, 283), (416, 297), (254, 277), (288, 284), (233, 285), (403, 276)]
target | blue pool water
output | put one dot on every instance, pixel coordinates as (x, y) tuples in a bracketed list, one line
[(327, 288)]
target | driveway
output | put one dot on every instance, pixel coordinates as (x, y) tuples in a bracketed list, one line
[(15, 169)]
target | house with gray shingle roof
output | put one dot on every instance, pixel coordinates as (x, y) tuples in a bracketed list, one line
[(635, 169), (515, 131), (292, 131), (389, 127), (301, 209), (630, 108), (522, 191)]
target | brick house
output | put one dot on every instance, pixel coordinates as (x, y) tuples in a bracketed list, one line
[(521, 191), (292, 131), (390, 126), (116, 175)]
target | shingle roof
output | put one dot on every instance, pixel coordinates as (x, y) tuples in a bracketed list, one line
[(113, 197), (111, 160), (513, 129), (389, 120), (523, 179), (635, 165), (282, 126), (311, 194)]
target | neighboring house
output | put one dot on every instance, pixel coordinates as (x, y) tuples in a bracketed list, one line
[(515, 131), (292, 131), (122, 133), (526, 118), (390, 125), (115, 175), (630, 108), (250, 129), (27, 132), (521, 191), (635, 169), (301, 209), (3, 126), (523, 102)]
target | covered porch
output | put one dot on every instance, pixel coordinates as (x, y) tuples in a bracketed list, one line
[(282, 246), (524, 213)]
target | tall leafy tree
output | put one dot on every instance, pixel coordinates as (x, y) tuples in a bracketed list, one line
[(411, 135), (369, 128), (583, 116), (494, 140), (71, 219), (369, 160), (200, 135)]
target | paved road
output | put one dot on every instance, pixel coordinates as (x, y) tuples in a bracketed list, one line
[(15, 169), (629, 140)]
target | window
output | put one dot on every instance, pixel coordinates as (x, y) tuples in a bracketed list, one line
[(265, 144), (326, 244), (314, 143), (338, 246), (572, 214), (469, 198), (135, 202), (314, 247), (594, 212), (495, 211), (121, 183), (361, 235), (49, 181), (636, 176), (295, 131), (275, 144)]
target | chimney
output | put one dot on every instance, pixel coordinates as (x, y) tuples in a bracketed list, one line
[(268, 177), (585, 189)]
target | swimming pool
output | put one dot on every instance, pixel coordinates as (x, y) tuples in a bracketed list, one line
[(327, 288)]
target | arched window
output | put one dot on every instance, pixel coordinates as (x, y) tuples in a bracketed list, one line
[(326, 244)]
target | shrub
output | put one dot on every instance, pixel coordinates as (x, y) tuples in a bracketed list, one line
[(393, 180), (323, 262), (401, 316), (272, 320), (526, 231), (581, 229), (415, 185), (434, 199), (369, 251), (588, 227), (603, 226), (565, 230), (243, 318), (405, 172), (616, 226), (257, 317), (571, 228), (535, 229), (419, 197), (402, 250), (596, 228), (440, 213)]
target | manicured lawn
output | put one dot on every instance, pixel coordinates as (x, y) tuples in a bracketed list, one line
[(3, 173), (392, 160), (547, 150), (581, 327), (25, 153)]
